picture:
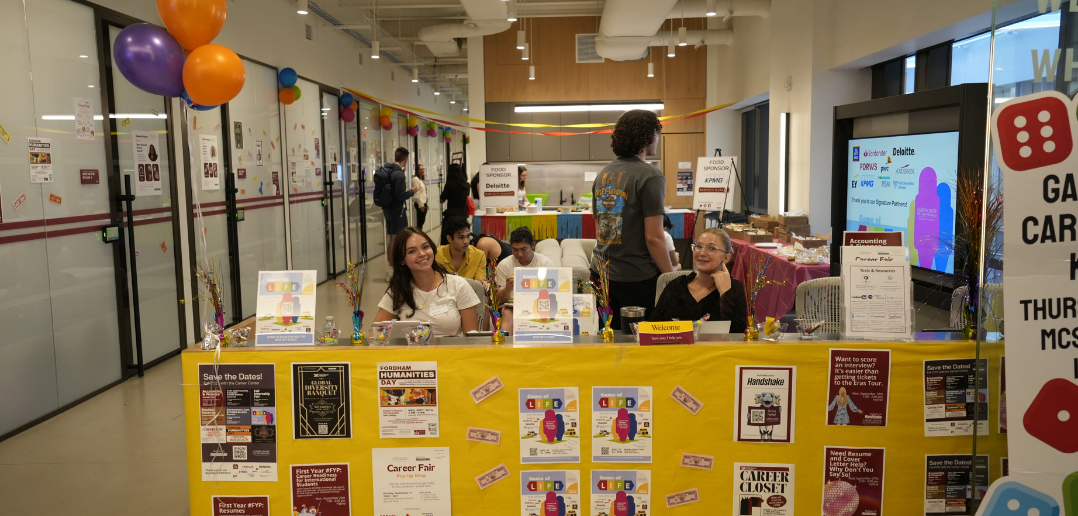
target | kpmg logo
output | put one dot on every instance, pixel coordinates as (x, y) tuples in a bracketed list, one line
[(857, 153), (866, 182)]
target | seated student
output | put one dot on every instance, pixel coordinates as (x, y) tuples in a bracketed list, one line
[(421, 290), (496, 249), (460, 257), (674, 257), (523, 246), (711, 291)]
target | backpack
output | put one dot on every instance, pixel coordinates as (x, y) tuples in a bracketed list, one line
[(383, 191)]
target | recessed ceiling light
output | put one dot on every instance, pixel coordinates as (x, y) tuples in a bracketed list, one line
[(89, 85), (83, 56)]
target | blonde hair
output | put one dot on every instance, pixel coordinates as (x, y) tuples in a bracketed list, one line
[(843, 400), (727, 245)]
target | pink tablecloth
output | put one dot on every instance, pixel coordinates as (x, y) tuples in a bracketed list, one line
[(773, 300)]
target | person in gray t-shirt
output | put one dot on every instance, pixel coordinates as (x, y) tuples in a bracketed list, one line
[(627, 203)]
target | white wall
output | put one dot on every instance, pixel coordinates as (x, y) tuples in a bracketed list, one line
[(477, 108)]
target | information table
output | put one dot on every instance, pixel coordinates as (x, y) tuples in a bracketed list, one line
[(773, 300), (549, 224), (706, 371)]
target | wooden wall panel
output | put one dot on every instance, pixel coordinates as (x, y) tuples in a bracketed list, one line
[(680, 107), (676, 148)]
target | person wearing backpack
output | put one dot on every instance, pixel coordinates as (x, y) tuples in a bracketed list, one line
[(391, 193)]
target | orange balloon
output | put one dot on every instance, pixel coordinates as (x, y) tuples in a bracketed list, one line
[(287, 96), (355, 105), (384, 120), (193, 22), (213, 75)]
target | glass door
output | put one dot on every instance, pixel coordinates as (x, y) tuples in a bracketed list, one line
[(372, 157), (303, 161), (331, 127)]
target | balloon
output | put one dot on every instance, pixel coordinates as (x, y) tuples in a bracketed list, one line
[(412, 131), (374, 120), (296, 89), (413, 121), (287, 96), (433, 125), (375, 112), (388, 127), (386, 112), (431, 133), (448, 139), (194, 106), (354, 106), (213, 75), (287, 77), (193, 22), (384, 120), (150, 59), (346, 99), (348, 115)]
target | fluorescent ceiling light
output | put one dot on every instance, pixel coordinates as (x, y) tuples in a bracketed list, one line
[(121, 116), (83, 56), (565, 108)]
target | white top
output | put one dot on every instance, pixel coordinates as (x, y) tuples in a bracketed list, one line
[(440, 307), (669, 241), (522, 199), (420, 197), (510, 263)]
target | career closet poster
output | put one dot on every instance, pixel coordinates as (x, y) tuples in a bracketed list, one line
[(858, 387), (321, 401), (622, 424), (407, 399), (763, 489), (209, 154), (147, 147), (549, 425), (765, 404)]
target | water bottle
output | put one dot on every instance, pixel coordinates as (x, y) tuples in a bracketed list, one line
[(539, 203), (330, 332)]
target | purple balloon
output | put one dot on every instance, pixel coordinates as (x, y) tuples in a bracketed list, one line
[(150, 58), (388, 127), (348, 115), (431, 133), (412, 131)]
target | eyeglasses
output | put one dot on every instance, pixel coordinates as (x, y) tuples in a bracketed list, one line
[(710, 248)]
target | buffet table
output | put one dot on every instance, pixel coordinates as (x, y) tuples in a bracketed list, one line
[(551, 224), (773, 300)]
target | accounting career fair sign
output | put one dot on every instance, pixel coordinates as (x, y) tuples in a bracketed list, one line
[(1034, 139), (713, 186), (498, 186)]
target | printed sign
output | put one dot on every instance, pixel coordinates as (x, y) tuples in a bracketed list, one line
[(258, 152), (408, 399), (551, 492), (240, 505), (411, 481), (321, 489), (321, 406), (549, 425), (497, 186), (859, 382), (238, 422), (210, 160), (764, 404), (623, 424), (712, 188), (40, 151), (951, 398), (543, 298), (948, 485), (147, 161), (876, 282), (89, 176), (763, 489), (84, 120), (285, 308), (853, 481), (873, 238), (684, 183), (625, 492)]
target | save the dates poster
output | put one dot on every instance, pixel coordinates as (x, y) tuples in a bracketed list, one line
[(238, 422), (853, 481), (321, 489), (764, 404), (859, 382), (952, 401), (948, 485), (321, 401)]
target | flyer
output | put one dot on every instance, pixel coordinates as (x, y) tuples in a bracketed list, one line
[(543, 304), (622, 424), (321, 401), (853, 481), (859, 382), (623, 492), (876, 283), (84, 120), (951, 398), (285, 308), (321, 489), (407, 399), (947, 483), (40, 150), (497, 186), (585, 316), (147, 162), (208, 152), (240, 505), (550, 493), (258, 152), (713, 184), (765, 404), (763, 489), (238, 422), (684, 183), (411, 481), (549, 425)]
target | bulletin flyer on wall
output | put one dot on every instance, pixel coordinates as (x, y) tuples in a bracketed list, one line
[(550, 492), (859, 382), (948, 489), (853, 481), (285, 308), (321, 490), (257, 505), (321, 401), (623, 491), (411, 482), (951, 398), (238, 422), (622, 424), (407, 399), (549, 425), (210, 159), (765, 404), (763, 489)]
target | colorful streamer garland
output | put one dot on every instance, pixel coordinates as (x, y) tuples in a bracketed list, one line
[(491, 300), (353, 289), (759, 282), (600, 290)]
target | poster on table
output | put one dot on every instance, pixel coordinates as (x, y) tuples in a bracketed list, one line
[(763, 489), (407, 399), (951, 397), (764, 404), (549, 425), (853, 481), (876, 283), (321, 401), (622, 424), (620, 492), (859, 382), (240, 505), (411, 481), (146, 145), (713, 182), (238, 422), (285, 308), (543, 304), (84, 120), (498, 186), (948, 485), (585, 315), (40, 152), (321, 490), (550, 493), (209, 154)]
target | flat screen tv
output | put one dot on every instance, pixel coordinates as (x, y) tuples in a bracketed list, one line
[(906, 183)]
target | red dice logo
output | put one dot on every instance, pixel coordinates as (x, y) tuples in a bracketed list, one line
[(1035, 133), (1053, 415)]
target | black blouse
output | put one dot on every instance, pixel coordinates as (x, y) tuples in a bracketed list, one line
[(677, 303), (456, 194)]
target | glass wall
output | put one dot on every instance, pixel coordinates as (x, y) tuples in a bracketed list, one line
[(303, 157), (331, 128), (1013, 75), (371, 157)]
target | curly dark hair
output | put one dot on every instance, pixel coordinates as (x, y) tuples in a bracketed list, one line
[(402, 285), (451, 225), (634, 132)]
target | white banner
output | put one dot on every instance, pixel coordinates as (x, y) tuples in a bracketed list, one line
[(497, 186), (714, 182)]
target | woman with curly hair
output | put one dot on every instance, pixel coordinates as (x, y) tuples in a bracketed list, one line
[(627, 203)]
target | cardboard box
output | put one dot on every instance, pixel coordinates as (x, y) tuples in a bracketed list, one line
[(804, 230), (752, 238), (808, 242), (799, 220), (782, 235), (764, 222)]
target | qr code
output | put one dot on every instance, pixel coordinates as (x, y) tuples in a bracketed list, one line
[(604, 451), (433, 428), (239, 453), (756, 416), (534, 452), (543, 305), (323, 428)]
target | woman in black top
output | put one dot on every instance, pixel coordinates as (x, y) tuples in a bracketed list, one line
[(455, 193), (496, 249), (711, 291)]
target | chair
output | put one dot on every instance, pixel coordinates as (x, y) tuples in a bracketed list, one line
[(481, 309), (992, 296), (664, 279), (821, 299)]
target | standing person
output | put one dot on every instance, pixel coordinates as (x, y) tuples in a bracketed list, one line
[(420, 197), (390, 193), (522, 193), (524, 255), (627, 203), (455, 195)]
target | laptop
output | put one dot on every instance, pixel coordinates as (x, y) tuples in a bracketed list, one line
[(715, 327)]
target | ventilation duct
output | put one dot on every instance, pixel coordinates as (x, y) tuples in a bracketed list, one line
[(486, 17), (629, 27), (723, 8)]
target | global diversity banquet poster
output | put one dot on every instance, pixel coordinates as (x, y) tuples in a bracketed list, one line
[(622, 424), (550, 493), (549, 425), (625, 492), (853, 481), (238, 422), (285, 308)]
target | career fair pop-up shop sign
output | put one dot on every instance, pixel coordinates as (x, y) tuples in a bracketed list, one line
[(713, 176), (497, 186)]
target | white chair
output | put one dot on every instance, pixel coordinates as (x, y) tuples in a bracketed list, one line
[(992, 305), (821, 300), (481, 308), (664, 280)]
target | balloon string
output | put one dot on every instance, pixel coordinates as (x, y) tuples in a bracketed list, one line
[(199, 218)]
